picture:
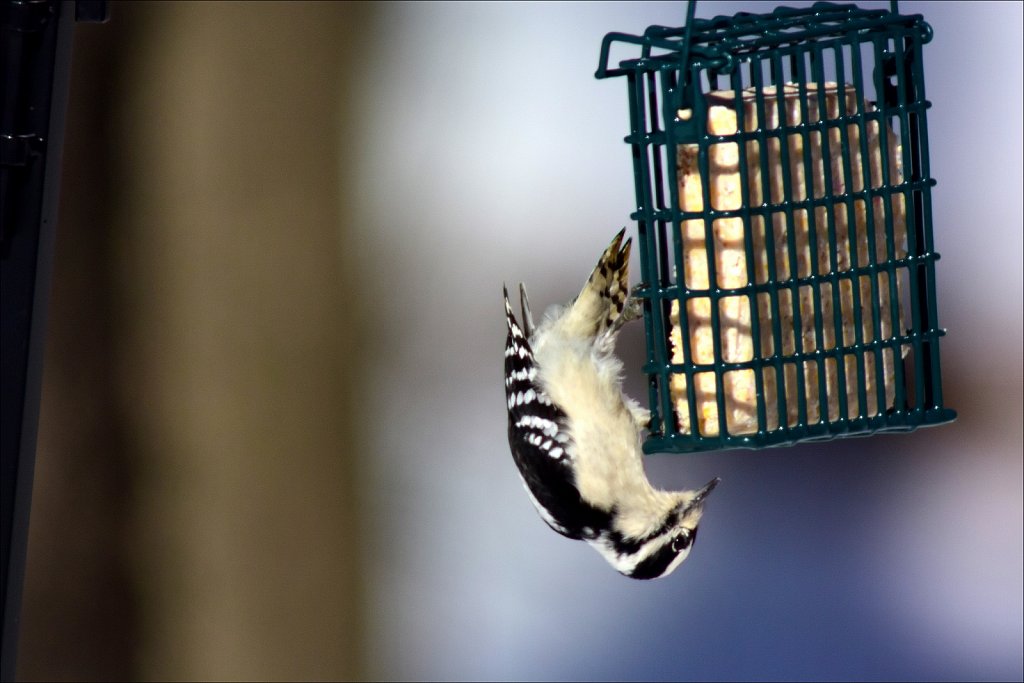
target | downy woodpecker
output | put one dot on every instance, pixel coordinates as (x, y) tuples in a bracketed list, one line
[(576, 438)]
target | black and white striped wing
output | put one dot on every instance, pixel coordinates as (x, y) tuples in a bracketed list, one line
[(540, 444)]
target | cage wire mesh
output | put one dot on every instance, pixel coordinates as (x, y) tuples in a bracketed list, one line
[(784, 223)]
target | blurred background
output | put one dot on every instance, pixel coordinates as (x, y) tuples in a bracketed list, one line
[(272, 442)]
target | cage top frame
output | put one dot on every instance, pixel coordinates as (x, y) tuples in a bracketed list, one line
[(721, 41)]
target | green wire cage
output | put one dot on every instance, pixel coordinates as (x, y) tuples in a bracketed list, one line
[(784, 226)]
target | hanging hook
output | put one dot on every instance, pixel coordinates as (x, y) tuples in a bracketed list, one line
[(683, 83)]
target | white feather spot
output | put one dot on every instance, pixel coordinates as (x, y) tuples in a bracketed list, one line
[(524, 374), (549, 427)]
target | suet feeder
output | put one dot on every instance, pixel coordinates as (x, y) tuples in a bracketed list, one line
[(784, 226)]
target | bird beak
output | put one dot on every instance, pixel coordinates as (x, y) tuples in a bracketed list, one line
[(702, 494)]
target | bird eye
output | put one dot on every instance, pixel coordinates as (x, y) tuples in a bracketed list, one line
[(683, 540)]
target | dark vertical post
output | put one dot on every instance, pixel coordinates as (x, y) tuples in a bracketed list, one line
[(35, 45)]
